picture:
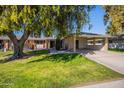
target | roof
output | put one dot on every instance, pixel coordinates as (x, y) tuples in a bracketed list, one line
[(82, 34), (30, 38), (4, 38), (45, 38), (89, 35)]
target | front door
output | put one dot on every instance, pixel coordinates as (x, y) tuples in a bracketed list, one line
[(52, 44), (77, 44)]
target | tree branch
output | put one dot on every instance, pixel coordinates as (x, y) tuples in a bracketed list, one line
[(12, 36), (24, 37)]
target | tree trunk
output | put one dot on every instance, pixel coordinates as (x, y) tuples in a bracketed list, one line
[(18, 44), (18, 51)]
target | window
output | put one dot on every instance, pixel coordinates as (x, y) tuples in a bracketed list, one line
[(122, 28)]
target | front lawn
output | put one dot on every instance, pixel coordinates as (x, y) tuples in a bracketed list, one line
[(58, 70)]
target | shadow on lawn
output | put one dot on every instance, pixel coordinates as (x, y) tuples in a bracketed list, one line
[(7, 55), (38, 52), (3, 61), (57, 58), (27, 55)]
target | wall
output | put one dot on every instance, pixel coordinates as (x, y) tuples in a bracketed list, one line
[(35, 44), (82, 42), (69, 44)]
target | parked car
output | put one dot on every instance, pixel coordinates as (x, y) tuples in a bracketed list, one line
[(116, 46)]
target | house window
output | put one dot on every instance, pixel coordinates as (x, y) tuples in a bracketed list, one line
[(122, 28)]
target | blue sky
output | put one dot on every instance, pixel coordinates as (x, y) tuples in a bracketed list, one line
[(96, 18)]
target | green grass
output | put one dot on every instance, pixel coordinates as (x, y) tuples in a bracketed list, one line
[(117, 50), (45, 70), (4, 55)]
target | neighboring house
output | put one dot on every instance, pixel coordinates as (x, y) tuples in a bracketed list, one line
[(3, 42), (71, 42), (32, 43), (117, 42)]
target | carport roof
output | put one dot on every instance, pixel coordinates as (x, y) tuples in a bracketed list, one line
[(89, 35)]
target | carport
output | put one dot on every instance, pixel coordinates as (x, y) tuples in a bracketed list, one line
[(88, 41)]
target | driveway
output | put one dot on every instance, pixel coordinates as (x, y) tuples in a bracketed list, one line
[(113, 60)]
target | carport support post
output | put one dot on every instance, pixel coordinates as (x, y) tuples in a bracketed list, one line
[(33, 44), (106, 44), (74, 42), (94, 41), (46, 44)]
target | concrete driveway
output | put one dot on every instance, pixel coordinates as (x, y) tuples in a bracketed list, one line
[(113, 60)]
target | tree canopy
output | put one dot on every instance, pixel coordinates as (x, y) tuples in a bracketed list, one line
[(36, 19), (114, 18)]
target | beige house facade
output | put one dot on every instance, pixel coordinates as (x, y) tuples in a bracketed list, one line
[(86, 41)]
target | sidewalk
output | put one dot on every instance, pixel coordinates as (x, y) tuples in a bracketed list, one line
[(111, 84)]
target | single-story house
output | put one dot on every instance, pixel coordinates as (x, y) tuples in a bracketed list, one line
[(86, 41), (71, 42)]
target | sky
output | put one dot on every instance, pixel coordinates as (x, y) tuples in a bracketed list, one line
[(96, 19)]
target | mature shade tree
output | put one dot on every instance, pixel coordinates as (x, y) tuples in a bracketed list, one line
[(34, 19), (114, 18), (15, 18), (28, 19)]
